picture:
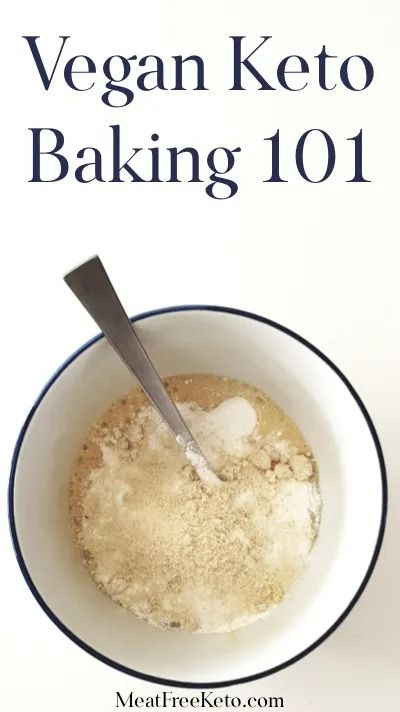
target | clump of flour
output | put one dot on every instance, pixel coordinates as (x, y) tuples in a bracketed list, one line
[(185, 555)]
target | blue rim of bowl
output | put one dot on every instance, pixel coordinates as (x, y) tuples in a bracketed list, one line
[(153, 678)]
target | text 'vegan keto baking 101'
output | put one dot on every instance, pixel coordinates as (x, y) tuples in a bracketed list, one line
[(126, 76)]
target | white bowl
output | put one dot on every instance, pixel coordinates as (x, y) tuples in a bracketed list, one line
[(332, 418)]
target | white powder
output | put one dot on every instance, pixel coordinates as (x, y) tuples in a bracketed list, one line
[(225, 430), (199, 463)]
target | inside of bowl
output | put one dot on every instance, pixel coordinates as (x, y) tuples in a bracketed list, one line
[(308, 389)]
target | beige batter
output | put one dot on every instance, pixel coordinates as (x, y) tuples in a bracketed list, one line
[(173, 550)]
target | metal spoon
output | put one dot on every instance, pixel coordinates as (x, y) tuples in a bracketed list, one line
[(92, 286)]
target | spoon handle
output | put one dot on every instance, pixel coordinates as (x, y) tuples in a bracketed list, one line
[(92, 286)]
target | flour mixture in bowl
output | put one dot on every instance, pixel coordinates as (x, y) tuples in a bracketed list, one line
[(173, 550)]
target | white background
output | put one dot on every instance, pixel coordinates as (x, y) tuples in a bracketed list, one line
[(321, 259)]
